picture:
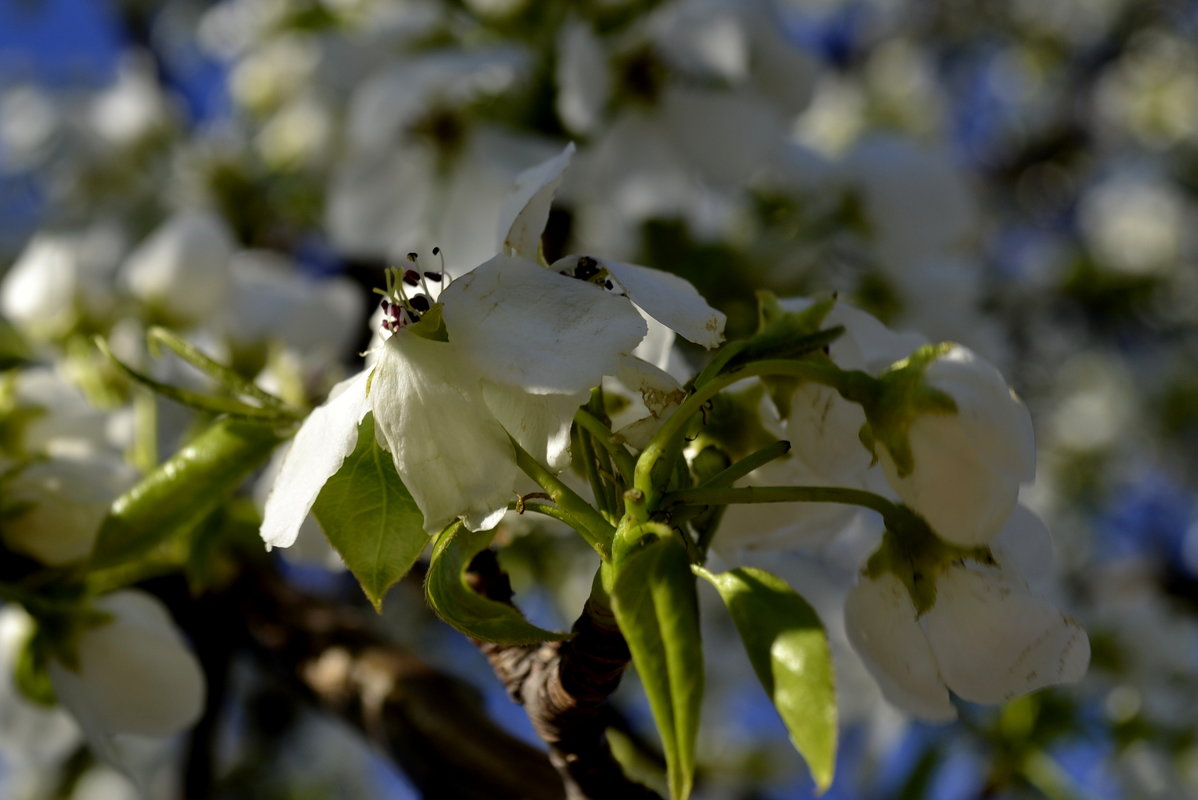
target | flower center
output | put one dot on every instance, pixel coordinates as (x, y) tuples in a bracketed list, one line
[(410, 292), (589, 270)]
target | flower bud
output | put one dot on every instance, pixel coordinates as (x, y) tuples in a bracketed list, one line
[(959, 469), (182, 269), (56, 506), (134, 673)]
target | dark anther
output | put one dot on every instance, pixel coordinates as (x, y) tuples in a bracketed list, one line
[(413, 317), (412, 257), (608, 285), (436, 251), (586, 268), (435, 277), (421, 302), (411, 277)]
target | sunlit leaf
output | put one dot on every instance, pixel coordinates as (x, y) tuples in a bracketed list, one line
[(370, 517), (654, 599), (789, 651)]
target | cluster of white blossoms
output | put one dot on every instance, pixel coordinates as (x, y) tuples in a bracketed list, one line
[(961, 609), (511, 349)]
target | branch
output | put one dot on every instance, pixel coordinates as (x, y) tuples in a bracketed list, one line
[(564, 689), (433, 725)]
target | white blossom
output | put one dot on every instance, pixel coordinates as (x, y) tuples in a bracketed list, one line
[(134, 674), (965, 466), (522, 347), (56, 506), (987, 637)]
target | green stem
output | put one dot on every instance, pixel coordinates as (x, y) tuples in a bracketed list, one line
[(587, 458), (741, 468), (787, 494), (855, 386), (603, 436), (596, 530)]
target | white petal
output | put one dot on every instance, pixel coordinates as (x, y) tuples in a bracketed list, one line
[(996, 419), (328, 435), (527, 326), (657, 388), (879, 618), (994, 641), (1024, 547), (525, 212), (670, 300), (540, 423), (953, 485), (823, 429), (452, 454), (135, 673)]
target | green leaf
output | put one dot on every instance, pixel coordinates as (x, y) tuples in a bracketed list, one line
[(789, 651), (654, 599), (223, 375), (212, 404), (184, 489), (465, 609), (370, 517)]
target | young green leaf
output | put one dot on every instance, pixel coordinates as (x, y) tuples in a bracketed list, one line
[(184, 489), (213, 404), (370, 517), (465, 609), (789, 651), (654, 599)]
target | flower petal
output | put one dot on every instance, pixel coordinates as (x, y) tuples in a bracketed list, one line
[(994, 641), (670, 300), (453, 456), (523, 325), (540, 423), (879, 618), (327, 436), (526, 210)]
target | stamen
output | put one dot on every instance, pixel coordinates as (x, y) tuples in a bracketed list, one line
[(420, 302)]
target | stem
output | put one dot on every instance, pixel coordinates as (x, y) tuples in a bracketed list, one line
[(787, 494), (603, 436), (603, 491), (589, 523), (741, 468), (855, 386)]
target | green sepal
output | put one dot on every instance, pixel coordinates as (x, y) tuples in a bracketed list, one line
[(653, 597), (183, 490), (463, 608), (903, 396), (788, 648), (30, 675), (14, 350), (370, 518)]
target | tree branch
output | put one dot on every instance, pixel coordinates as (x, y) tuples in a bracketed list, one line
[(564, 688), (431, 724)]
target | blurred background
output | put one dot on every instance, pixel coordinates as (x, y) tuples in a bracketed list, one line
[(1019, 177)]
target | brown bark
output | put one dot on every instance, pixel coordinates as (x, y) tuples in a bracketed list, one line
[(564, 688)]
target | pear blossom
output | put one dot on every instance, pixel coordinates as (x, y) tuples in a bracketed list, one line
[(961, 469), (519, 349), (56, 506), (133, 674), (987, 637), (187, 256)]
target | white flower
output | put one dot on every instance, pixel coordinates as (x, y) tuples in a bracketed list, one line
[(134, 674), (57, 505), (821, 425), (182, 269), (987, 636), (964, 467), (520, 349)]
